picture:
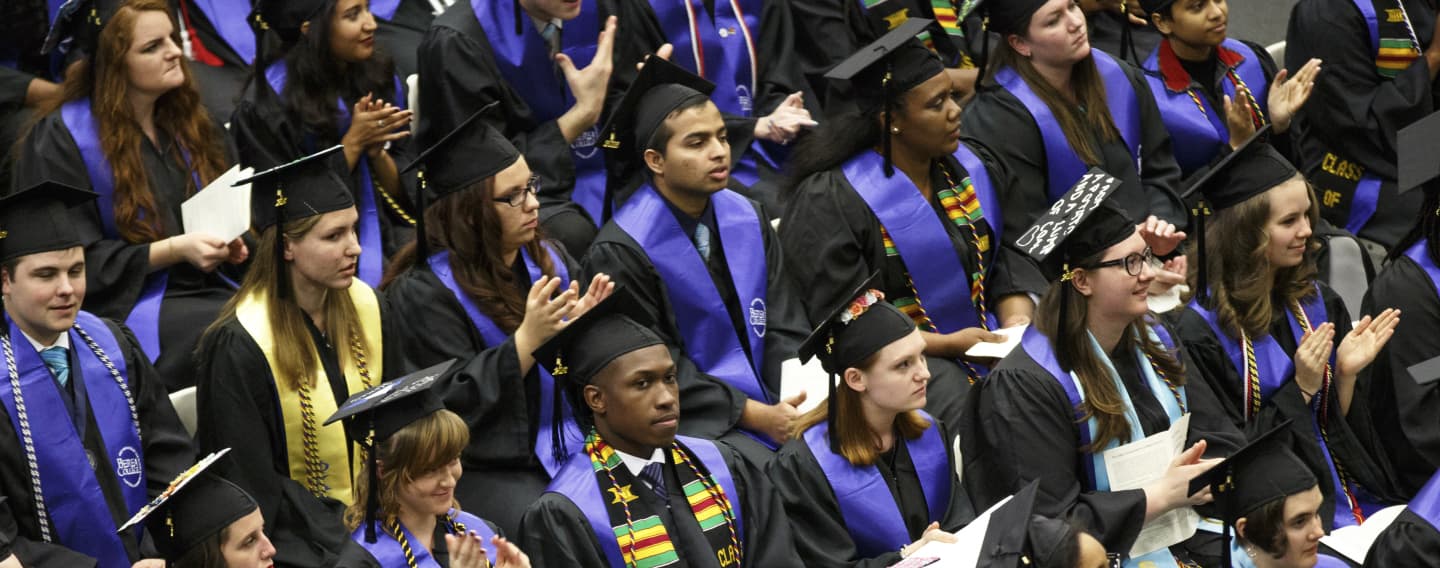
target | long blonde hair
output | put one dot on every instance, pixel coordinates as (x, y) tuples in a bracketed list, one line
[(412, 452)]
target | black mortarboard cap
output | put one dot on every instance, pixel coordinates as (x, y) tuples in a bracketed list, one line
[(196, 506), (1015, 536), (1011, 16), (305, 187), (284, 17), (382, 411), (77, 25), (863, 324), (1153, 6), (1081, 223), (39, 219), (658, 90), (886, 68), (1264, 470), (614, 327), (1417, 146), (1425, 372)]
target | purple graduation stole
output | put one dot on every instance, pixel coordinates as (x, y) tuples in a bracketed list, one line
[(230, 18), (1426, 503), (144, 318), (1419, 254), (494, 336), (524, 61), (388, 552), (920, 237), (1197, 128), (576, 481), (871, 515), (1064, 167), (385, 10), (372, 253), (705, 328), (73, 509)]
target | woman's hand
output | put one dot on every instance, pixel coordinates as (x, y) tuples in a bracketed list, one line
[(199, 250), (1172, 491), (1363, 344), (373, 123), (1311, 357), (932, 534), (507, 555), (238, 251), (588, 84), (466, 551), (1168, 275), (545, 312), (1162, 236), (1288, 95), (1239, 120), (788, 120), (600, 288)]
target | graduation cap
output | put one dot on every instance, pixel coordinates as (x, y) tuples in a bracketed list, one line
[(659, 89), (1416, 146), (285, 17), (1007, 17), (1246, 172), (77, 25), (1262, 471), (382, 411), (472, 152), (1082, 223), (1015, 536), (38, 219), (887, 68), (856, 329), (1425, 372), (197, 505), (1153, 6), (305, 187)]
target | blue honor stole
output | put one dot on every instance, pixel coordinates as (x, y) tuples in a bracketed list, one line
[(704, 322), (1199, 133), (871, 515), (523, 60), (1064, 166), (577, 482), (372, 253), (920, 236), (387, 551), (231, 20), (71, 507), (1095, 477), (494, 336)]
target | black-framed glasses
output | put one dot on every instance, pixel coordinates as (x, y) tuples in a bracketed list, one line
[(518, 198), (1134, 262)]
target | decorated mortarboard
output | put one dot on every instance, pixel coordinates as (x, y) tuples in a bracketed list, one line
[(305, 187), (1416, 147), (886, 68), (77, 25), (284, 17), (39, 219), (614, 327), (856, 329), (659, 89), (1081, 223), (1262, 471), (197, 505), (378, 412)]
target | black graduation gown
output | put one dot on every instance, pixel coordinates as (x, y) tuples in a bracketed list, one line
[(710, 406), (219, 84), (167, 450), (998, 119), (556, 534), (1409, 541), (237, 406), (1405, 412), (501, 406), (1020, 427), (116, 269), (832, 243), (1106, 29), (1354, 109), (399, 36), (355, 556), (1353, 440), (821, 538)]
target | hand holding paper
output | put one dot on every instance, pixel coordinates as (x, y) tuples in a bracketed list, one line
[(220, 210)]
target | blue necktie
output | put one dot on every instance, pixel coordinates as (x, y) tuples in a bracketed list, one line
[(702, 241), (58, 360), (551, 35), (655, 477)]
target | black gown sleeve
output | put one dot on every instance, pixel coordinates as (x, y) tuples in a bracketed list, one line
[(827, 241), (1409, 541), (14, 86), (167, 446), (1406, 410), (555, 534), (768, 541), (1159, 172), (786, 326)]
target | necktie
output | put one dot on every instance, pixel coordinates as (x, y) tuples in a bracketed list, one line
[(654, 476), (702, 240), (551, 35), (58, 360)]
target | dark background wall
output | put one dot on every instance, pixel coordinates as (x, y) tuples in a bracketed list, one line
[(1260, 21)]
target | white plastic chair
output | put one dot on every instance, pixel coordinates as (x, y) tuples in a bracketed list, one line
[(184, 402), (412, 84), (1277, 52)]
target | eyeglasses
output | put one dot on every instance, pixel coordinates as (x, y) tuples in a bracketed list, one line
[(1134, 263), (518, 198)]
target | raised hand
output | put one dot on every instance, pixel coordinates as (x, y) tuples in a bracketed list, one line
[(1288, 94), (588, 85), (1239, 120), (788, 120), (1363, 343), (545, 312), (600, 288), (664, 52), (1311, 357), (466, 551), (1162, 236), (373, 123), (507, 555)]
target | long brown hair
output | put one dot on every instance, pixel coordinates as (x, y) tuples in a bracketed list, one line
[(465, 224), (207, 554), (105, 80), (1089, 94), (295, 353), (412, 452), (858, 444), (1075, 354), (1241, 290)]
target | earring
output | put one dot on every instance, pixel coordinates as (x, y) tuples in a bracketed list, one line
[(894, 130), (1250, 550)]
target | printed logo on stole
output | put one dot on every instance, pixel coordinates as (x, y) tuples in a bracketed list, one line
[(584, 145), (743, 94), (757, 317), (128, 467)]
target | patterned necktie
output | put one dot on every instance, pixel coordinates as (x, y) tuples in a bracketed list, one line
[(654, 476), (702, 241), (58, 360)]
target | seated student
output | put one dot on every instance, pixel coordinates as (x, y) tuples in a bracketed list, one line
[(1413, 538), (203, 521), (325, 84), (1261, 330), (1214, 92), (301, 335), (130, 127), (702, 259), (405, 511), (87, 436), (217, 38), (492, 291), (525, 55), (1094, 372), (1016, 537), (636, 493), (893, 189), (1379, 78), (869, 478), (400, 26), (1028, 112)]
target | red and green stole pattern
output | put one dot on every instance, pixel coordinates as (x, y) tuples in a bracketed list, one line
[(962, 206)]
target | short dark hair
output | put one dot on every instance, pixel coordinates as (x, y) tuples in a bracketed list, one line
[(10, 267), (1265, 528), (663, 133)]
